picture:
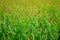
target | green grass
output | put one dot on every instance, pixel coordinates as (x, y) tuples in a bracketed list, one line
[(29, 20)]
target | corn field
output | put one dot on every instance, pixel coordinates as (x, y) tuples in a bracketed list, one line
[(29, 19)]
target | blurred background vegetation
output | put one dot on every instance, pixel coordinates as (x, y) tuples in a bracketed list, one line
[(29, 19)]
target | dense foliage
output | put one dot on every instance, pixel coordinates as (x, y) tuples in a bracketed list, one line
[(29, 20)]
